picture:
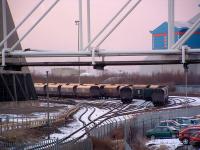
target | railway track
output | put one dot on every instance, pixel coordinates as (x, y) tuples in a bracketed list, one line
[(176, 101), (80, 118), (114, 110), (86, 126), (119, 111), (90, 115)]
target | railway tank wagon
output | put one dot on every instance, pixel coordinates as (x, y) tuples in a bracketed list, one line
[(53, 89), (39, 88), (88, 91), (157, 94), (149, 91), (160, 96), (68, 90), (126, 94), (111, 91), (139, 91)]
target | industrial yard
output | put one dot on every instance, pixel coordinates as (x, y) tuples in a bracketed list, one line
[(90, 115), (99, 75)]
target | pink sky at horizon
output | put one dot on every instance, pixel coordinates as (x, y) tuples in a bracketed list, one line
[(58, 31)]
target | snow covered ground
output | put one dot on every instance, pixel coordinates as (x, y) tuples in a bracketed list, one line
[(76, 124), (171, 144), (35, 115), (192, 101)]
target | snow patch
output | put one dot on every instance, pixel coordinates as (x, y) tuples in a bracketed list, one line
[(171, 144)]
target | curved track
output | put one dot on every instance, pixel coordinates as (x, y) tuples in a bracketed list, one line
[(176, 101), (115, 109), (80, 118), (90, 115)]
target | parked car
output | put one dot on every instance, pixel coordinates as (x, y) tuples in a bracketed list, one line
[(185, 134), (162, 132), (172, 123), (195, 139), (187, 120), (195, 121)]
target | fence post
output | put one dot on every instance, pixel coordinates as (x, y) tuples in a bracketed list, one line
[(125, 133), (22, 121), (57, 144), (143, 127)]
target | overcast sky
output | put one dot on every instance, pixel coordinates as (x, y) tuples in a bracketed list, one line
[(58, 31)]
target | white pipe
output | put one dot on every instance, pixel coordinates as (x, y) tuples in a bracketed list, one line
[(89, 22), (183, 53), (187, 35), (4, 13), (34, 25), (80, 25), (56, 53), (122, 19), (106, 26), (93, 57), (3, 57), (11, 32), (170, 23)]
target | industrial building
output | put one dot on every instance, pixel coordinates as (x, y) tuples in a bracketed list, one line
[(160, 37), (15, 84), (160, 41)]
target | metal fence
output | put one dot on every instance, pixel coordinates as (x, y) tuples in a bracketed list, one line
[(121, 131), (51, 144), (136, 125)]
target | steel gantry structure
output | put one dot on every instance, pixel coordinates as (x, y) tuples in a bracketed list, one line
[(88, 51)]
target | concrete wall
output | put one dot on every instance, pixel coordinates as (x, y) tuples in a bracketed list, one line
[(194, 89)]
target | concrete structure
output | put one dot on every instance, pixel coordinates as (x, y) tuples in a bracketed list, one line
[(14, 83)]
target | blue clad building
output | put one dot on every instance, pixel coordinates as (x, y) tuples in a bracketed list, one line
[(160, 34)]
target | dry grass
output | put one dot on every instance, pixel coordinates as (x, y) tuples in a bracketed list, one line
[(28, 135), (139, 143), (117, 134), (102, 144), (24, 107), (114, 142)]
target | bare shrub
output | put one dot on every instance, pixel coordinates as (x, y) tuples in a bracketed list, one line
[(125, 78), (117, 133), (102, 144), (163, 147)]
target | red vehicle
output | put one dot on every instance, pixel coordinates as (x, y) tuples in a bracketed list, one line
[(195, 138), (185, 134)]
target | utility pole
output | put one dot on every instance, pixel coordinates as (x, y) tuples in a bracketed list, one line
[(170, 23), (185, 66), (77, 22), (47, 91)]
